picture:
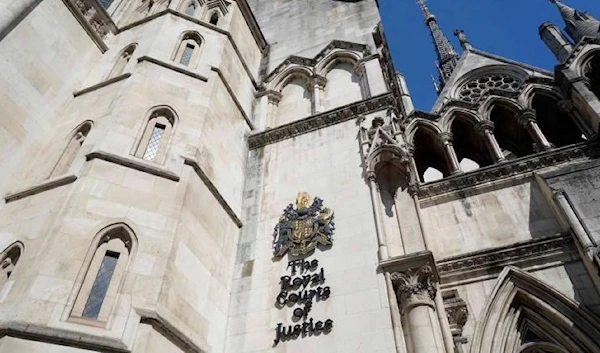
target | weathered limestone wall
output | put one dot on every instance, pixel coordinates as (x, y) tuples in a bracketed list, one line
[(299, 28), (326, 164), (42, 61), (493, 218), (186, 228)]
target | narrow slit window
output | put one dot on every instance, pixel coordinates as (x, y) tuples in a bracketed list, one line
[(186, 57), (154, 142), (214, 19), (190, 9), (105, 3), (100, 286)]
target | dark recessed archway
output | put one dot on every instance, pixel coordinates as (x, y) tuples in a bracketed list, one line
[(558, 127), (511, 136)]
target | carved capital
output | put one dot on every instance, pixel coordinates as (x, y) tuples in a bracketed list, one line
[(415, 287), (319, 81), (525, 116), (457, 312), (274, 97), (445, 138), (484, 126)]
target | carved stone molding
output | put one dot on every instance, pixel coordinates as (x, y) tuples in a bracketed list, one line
[(94, 18), (511, 168), (525, 116), (483, 126), (415, 279), (415, 286), (490, 262), (457, 313), (320, 121)]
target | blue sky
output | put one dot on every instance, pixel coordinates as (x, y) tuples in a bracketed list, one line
[(504, 27)]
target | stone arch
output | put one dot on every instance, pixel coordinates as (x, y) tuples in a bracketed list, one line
[(285, 76), (343, 83), (214, 17), (157, 129), (9, 258), (523, 311), (590, 69), (559, 128), (191, 7), (187, 51), (75, 141), (102, 275), (468, 143), (512, 137), (122, 60), (428, 152)]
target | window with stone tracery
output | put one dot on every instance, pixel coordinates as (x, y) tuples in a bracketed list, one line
[(153, 144), (473, 90), (104, 273), (188, 50)]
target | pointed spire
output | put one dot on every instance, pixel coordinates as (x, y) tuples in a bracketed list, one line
[(447, 56), (578, 24)]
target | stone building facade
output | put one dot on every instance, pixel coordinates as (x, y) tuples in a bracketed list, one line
[(236, 176)]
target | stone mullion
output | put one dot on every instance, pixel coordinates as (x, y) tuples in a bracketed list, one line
[(318, 84), (486, 129), (527, 118), (376, 201), (445, 140)]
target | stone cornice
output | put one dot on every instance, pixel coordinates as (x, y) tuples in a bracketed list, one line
[(320, 121), (520, 166), (470, 267), (45, 185)]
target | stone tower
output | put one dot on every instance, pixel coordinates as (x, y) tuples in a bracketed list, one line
[(237, 176)]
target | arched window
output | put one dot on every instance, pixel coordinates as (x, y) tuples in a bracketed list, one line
[(122, 61), (189, 49), (156, 135), (429, 156), (70, 152), (190, 9), (511, 136), (8, 261), (214, 18), (559, 128), (104, 272), (469, 145)]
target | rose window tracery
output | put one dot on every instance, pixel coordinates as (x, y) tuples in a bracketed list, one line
[(473, 90)]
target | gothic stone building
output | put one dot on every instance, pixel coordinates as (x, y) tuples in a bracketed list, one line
[(237, 176)]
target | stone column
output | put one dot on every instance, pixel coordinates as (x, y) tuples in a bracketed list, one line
[(318, 83), (274, 98), (567, 107), (376, 201), (486, 129), (527, 118), (415, 280), (445, 138)]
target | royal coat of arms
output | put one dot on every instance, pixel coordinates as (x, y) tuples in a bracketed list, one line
[(301, 229)]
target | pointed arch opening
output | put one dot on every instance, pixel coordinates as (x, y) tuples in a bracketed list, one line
[(214, 18), (558, 127), (156, 135), (9, 258), (429, 156), (188, 50), (103, 273), (469, 145), (592, 73), (71, 150), (122, 61), (511, 136), (344, 84), (296, 100), (525, 314)]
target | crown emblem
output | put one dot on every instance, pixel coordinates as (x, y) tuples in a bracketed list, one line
[(303, 227)]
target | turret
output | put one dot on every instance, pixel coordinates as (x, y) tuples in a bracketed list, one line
[(579, 24), (556, 41)]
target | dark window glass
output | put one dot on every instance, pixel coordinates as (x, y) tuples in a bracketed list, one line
[(100, 286), (187, 54), (105, 3)]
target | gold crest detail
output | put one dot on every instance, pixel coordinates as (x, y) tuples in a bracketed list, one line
[(303, 227)]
